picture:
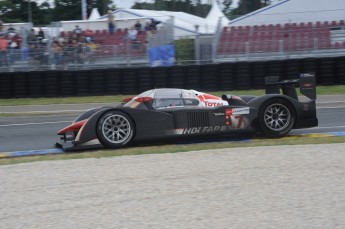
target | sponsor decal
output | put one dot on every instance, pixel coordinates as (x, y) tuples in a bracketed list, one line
[(234, 123), (237, 111), (178, 131), (211, 100), (219, 114), (212, 104)]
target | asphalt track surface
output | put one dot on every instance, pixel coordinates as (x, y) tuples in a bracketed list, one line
[(36, 126)]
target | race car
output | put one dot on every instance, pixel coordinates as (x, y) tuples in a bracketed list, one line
[(177, 113)]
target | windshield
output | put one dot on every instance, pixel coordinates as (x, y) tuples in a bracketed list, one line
[(132, 103), (167, 97), (174, 97)]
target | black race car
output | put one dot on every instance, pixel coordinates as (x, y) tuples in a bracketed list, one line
[(169, 113)]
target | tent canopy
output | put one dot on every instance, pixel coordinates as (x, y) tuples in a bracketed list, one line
[(184, 24), (94, 14)]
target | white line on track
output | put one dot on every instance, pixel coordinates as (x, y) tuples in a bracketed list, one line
[(330, 102), (329, 107), (39, 112), (325, 127), (62, 104), (33, 123)]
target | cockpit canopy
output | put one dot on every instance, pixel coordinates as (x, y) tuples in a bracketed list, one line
[(169, 97)]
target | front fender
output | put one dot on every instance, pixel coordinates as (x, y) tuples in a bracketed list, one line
[(87, 114), (88, 131)]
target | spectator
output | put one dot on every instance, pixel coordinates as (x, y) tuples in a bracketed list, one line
[(147, 26), (15, 41), (111, 22), (92, 46), (1, 25), (40, 35), (88, 35), (131, 34), (34, 56), (3, 49), (43, 52), (153, 24), (58, 56), (11, 31), (68, 53), (14, 47), (77, 32), (138, 26), (31, 37)]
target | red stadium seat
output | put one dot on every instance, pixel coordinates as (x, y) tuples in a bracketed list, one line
[(267, 38)]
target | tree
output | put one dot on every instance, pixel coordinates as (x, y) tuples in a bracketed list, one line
[(194, 7), (13, 11), (227, 7), (102, 5), (71, 9), (247, 6), (67, 10)]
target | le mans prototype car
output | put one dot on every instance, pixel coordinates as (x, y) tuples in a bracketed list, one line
[(171, 113)]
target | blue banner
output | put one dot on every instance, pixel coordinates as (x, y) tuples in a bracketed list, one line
[(162, 55)]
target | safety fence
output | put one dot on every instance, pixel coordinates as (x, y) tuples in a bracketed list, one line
[(207, 77), (73, 57)]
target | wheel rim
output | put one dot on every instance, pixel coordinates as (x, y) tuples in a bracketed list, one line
[(277, 117), (116, 128)]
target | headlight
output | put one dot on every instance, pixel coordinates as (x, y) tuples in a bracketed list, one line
[(69, 136)]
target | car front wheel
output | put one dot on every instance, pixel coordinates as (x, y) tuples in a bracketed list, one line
[(115, 129)]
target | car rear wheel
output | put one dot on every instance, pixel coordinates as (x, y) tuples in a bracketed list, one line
[(276, 118), (115, 129)]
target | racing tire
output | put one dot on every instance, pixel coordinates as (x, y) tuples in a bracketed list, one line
[(115, 129), (276, 118)]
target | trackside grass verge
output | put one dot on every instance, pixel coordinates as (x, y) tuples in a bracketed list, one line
[(321, 90), (175, 148)]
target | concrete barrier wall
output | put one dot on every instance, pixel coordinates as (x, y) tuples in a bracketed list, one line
[(209, 77)]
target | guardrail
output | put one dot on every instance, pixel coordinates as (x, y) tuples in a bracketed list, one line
[(207, 77)]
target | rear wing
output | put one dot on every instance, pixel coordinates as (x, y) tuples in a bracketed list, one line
[(306, 83)]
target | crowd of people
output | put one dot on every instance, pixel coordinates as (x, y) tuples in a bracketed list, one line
[(41, 51), (62, 50), (10, 41), (150, 28)]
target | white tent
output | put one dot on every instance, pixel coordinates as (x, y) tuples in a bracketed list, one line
[(215, 14), (294, 11), (184, 24), (94, 14)]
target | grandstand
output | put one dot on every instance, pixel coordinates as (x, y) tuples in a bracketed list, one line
[(302, 38), (286, 29), (283, 30)]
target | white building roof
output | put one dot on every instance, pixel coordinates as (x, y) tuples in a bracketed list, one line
[(184, 23), (294, 11)]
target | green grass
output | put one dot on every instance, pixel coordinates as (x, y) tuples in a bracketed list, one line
[(321, 90), (175, 148)]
